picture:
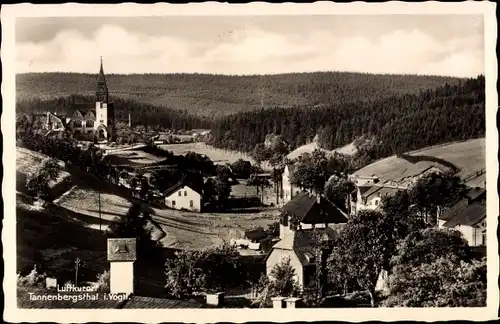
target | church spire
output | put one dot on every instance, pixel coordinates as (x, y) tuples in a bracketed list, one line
[(102, 88)]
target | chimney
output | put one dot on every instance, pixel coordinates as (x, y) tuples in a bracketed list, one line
[(122, 255), (293, 302), (216, 299), (279, 302)]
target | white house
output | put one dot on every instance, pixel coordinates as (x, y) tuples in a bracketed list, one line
[(184, 195), (369, 197), (301, 218), (289, 191)]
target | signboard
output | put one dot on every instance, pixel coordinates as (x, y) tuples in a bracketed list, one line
[(122, 249)]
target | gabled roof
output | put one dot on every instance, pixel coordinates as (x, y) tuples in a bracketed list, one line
[(469, 216), (300, 241), (256, 234), (474, 194), (381, 191), (185, 181), (306, 209)]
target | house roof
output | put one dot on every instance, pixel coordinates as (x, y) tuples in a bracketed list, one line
[(469, 216), (306, 209), (185, 181), (256, 234), (474, 194), (300, 241), (380, 191)]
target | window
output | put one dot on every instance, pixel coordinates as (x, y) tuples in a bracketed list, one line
[(173, 203), (185, 193), (89, 123), (376, 202), (102, 121), (180, 193), (191, 203)]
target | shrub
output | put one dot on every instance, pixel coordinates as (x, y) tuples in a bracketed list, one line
[(34, 278)]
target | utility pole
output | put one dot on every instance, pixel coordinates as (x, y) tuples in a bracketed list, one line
[(77, 264)]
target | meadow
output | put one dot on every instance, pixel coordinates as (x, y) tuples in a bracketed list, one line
[(218, 156), (467, 156)]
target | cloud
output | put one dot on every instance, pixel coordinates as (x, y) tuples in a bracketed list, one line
[(254, 51)]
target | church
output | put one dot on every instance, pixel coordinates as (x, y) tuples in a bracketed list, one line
[(94, 121), (88, 121)]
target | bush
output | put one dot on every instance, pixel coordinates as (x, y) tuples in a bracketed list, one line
[(33, 279), (103, 282)]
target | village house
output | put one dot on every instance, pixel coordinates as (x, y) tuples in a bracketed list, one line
[(468, 216), (289, 190), (185, 195), (302, 219)]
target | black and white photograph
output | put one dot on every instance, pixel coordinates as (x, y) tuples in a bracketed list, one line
[(254, 161)]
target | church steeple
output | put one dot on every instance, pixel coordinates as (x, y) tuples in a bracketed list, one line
[(102, 88)]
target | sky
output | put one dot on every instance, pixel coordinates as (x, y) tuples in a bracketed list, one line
[(448, 45)]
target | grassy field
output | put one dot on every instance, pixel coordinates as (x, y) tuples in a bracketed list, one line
[(136, 157), (468, 156), (348, 149), (218, 156), (28, 161)]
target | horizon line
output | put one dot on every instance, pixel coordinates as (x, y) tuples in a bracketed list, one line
[(263, 74)]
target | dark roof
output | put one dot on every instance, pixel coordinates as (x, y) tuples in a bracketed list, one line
[(185, 181), (364, 189), (150, 302), (306, 209), (474, 194), (381, 191), (469, 216), (256, 234)]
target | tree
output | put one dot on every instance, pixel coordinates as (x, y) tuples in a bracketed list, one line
[(311, 171), (429, 244), (361, 251), (38, 182), (282, 280), (183, 276), (242, 169), (135, 225), (440, 283), (212, 269), (337, 189), (260, 184), (436, 191)]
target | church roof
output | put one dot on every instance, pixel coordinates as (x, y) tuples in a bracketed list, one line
[(306, 209), (101, 80)]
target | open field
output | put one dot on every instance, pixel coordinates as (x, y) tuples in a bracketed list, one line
[(136, 157), (348, 149), (183, 230), (218, 156), (28, 161), (468, 156)]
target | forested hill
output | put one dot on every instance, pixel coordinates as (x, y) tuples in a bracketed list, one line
[(399, 123), (218, 95)]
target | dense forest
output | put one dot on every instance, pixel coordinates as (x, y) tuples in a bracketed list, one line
[(400, 112), (219, 95), (398, 123)]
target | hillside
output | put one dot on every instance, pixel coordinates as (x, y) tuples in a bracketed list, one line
[(348, 149), (398, 123), (210, 95), (468, 157)]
